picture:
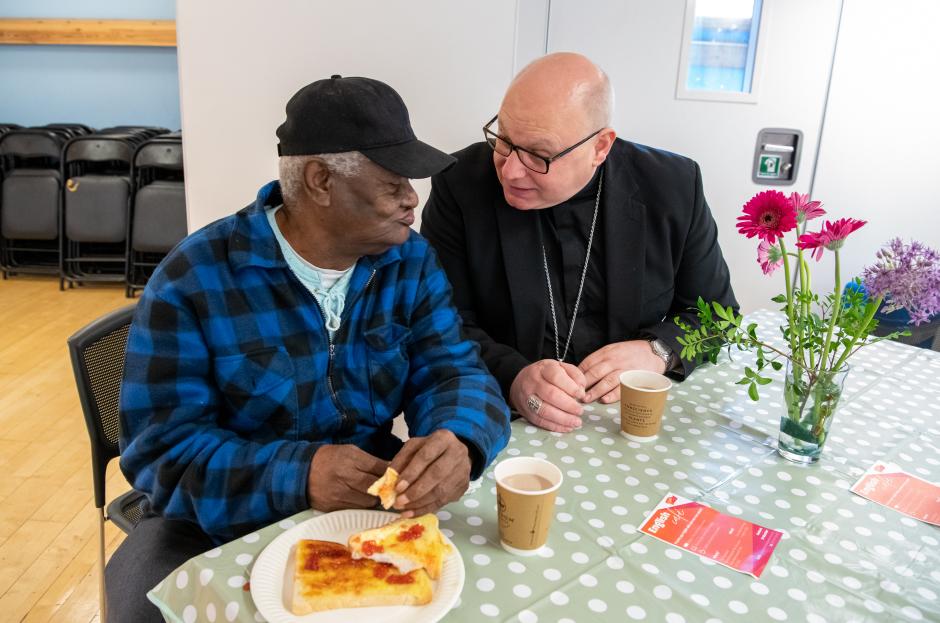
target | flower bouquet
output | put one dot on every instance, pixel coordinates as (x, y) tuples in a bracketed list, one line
[(821, 332)]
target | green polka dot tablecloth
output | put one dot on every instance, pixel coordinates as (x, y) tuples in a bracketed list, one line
[(842, 557)]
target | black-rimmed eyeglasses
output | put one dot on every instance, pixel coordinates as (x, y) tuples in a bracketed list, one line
[(530, 160)]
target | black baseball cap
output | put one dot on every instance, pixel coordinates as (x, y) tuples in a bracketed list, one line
[(357, 114)]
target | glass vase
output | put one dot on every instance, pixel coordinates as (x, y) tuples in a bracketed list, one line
[(811, 400)]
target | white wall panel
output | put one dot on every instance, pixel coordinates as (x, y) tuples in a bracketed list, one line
[(240, 61), (880, 153), (532, 20)]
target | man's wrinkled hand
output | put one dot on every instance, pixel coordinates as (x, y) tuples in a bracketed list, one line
[(602, 368), (432, 471), (339, 477), (559, 388)]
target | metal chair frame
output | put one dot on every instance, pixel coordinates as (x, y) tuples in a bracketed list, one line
[(98, 379)]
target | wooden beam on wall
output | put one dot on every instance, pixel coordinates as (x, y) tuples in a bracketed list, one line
[(29, 31)]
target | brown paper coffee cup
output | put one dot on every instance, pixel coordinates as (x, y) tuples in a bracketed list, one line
[(526, 488), (642, 400)]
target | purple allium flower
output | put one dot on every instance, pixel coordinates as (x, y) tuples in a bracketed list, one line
[(908, 276)]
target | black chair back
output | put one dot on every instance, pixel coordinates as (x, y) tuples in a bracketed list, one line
[(97, 353)]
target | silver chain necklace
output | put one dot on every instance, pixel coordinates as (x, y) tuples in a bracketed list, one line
[(560, 356)]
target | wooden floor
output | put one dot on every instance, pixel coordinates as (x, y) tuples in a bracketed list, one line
[(48, 523)]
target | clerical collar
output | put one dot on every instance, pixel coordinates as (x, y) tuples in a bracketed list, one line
[(589, 191)]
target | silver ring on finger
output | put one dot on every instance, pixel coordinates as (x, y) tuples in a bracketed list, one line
[(534, 403)]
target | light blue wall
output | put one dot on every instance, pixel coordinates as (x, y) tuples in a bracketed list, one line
[(98, 86)]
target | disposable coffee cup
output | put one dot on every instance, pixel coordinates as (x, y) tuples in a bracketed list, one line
[(526, 488), (642, 401)]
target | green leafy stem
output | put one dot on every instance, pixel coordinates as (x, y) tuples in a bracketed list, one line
[(820, 342)]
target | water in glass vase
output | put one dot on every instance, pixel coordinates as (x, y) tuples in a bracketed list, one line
[(811, 399)]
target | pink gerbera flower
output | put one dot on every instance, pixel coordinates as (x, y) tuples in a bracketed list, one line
[(813, 241), (831, 236), (768, 215), (769, 256), (806, 210), (839, 230)]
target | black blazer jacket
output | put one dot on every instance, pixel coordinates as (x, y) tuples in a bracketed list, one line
[(661, 248)]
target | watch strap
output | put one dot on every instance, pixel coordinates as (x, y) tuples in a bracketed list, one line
[(663, 351)]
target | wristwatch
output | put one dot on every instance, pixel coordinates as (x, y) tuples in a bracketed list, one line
[(661, 350)]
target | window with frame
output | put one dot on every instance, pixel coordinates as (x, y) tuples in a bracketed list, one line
[(719, 52)]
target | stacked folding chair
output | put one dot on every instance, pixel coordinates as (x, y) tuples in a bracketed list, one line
[(30, 200), (69, 130), (159, 207), (4, 128), (96, 203)]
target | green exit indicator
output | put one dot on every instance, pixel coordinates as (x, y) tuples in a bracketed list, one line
[(769, 166)]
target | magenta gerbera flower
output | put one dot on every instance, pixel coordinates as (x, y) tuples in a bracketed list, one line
[(769, 256), (813, 241), (839, 230), (831, 236), (806, 210), (768, 215)]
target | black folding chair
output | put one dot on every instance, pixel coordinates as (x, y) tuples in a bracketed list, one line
[(158, 207), (96, 204), (31, 200), (97, 353)]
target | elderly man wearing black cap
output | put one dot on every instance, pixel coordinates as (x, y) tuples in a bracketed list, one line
[(272, 349)]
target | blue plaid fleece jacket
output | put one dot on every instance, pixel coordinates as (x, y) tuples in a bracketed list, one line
[(230, 387)]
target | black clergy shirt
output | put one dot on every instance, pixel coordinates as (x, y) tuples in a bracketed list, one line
[(565, 229)]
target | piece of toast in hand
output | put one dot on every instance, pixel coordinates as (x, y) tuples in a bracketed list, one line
[(384, 488)]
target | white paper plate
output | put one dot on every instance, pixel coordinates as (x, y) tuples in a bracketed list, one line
[(271, 578)]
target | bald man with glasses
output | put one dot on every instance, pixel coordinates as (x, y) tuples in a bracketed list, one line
[(570, 250)]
